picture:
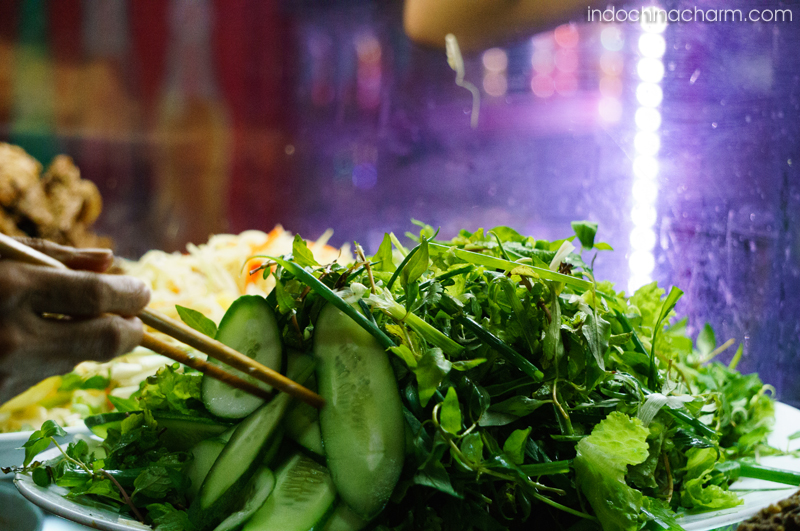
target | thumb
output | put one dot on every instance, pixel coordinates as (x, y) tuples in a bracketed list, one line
[(97, 260)]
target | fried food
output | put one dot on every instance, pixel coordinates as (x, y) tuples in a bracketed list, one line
[(58, 206), (781, 516)]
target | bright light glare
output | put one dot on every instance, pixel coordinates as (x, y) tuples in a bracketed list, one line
[(638, 281), (495, 84), (642, 262), (647, 143), (644, 192), (652, 45), (542, 86), (566, 60), (650, 70), (567, 35), (643, 216), (643, 239), (647, 119), (542, 61), (612, 38), (654, 20), (645, 168), (611, 86), (612, 63), (610, 109), (649, 94), (495, 60)]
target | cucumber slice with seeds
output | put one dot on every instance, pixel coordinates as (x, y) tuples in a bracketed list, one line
[(249, 326), (260, 488), (362, 424), (303, 498), (243, 454)]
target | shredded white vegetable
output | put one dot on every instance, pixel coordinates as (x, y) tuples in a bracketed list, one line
[(207, 278)]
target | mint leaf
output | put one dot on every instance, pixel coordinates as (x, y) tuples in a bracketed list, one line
[(197, 320), (154, 483), (302, 254), (167, 518), (35, 445), (51, 429)]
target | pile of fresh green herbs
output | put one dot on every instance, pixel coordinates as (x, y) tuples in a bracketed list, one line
[(532, 392)]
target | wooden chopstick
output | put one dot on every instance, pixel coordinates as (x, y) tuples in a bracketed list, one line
[(15, 250), (226, 354)]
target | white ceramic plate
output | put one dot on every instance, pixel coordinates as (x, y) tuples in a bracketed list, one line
[(787, 421), (11, 455)]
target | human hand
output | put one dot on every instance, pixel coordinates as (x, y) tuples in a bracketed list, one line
[(99, 312)]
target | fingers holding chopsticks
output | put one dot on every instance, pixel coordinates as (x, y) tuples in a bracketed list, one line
[(98, 260), (82, 293), (97, 325)]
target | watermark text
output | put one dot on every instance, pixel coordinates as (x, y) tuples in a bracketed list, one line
[(654, 15)]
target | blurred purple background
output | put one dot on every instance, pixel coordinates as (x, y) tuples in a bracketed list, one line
[(682, 141)]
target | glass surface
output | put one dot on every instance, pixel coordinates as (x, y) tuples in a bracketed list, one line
[(681, 140)]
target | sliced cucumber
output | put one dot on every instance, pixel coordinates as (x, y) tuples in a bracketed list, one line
[(302, 426), (204, 454), (362, 423), (241, 457), (303, 498), (249, 326), (180, 432), (257, 493), (345, 519)]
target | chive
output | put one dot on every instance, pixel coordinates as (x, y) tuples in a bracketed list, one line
[(752, 470), (400, 267), (510, 355), (546, 469)]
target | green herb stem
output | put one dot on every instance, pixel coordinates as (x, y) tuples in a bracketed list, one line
[(506, 265), (752, 470), (508, 353), (326, 293), (397, 312)]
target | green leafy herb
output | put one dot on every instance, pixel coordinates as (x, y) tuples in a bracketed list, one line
[(197, 320)]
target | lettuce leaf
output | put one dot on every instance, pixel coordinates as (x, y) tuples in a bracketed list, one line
[(697, 493), (601, 464)]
